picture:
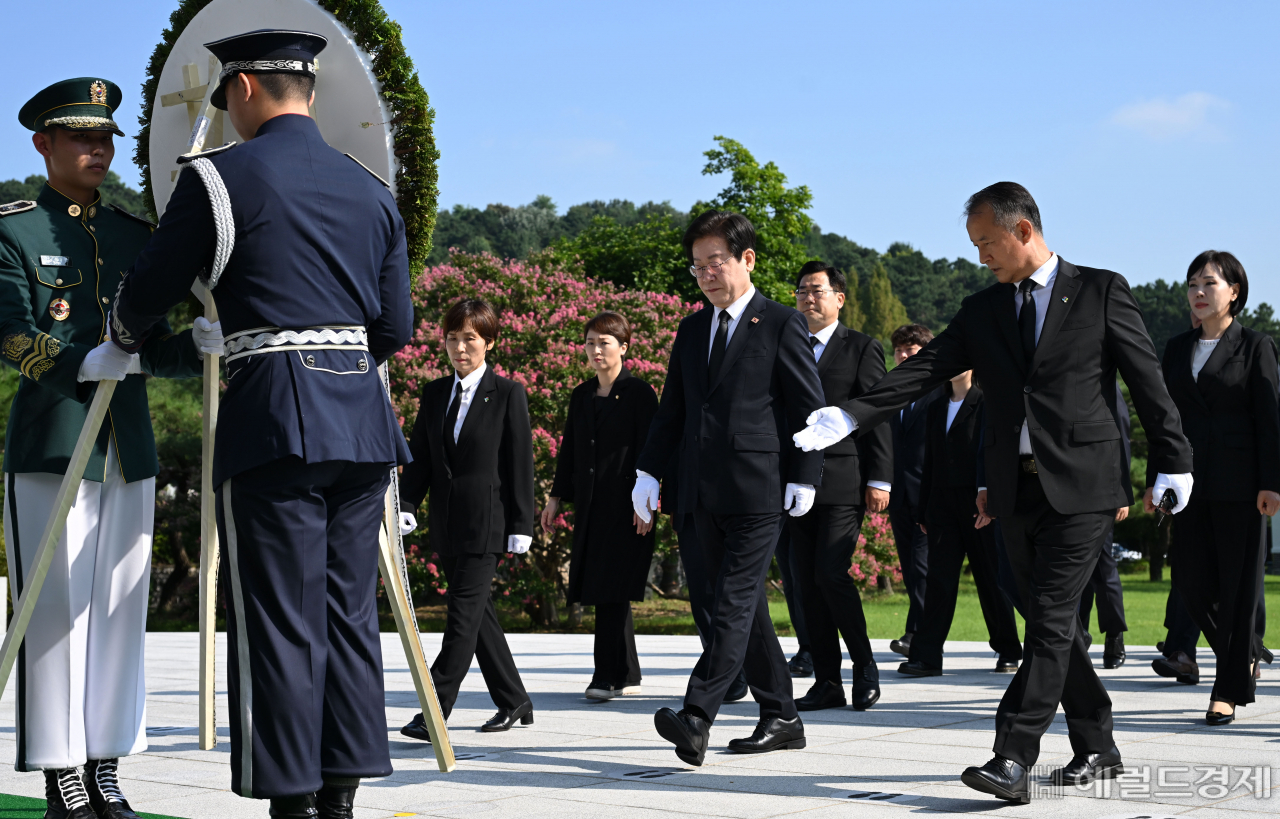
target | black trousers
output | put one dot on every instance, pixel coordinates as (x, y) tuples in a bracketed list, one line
[(1217, 561), (823, 542), (472, 630), (737, 551), (913, 555), (617, 662), (1004, 570), (304, 660), (1183, 631), (1052, 556), (792, 588), (950, 540), (1104, 586)]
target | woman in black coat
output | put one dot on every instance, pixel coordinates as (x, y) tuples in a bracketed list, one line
[(473, 451), (608, 422), (1223, 378)]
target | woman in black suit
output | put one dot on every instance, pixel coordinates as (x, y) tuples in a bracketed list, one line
[(608, 423), (1223, 378), (473, 450)]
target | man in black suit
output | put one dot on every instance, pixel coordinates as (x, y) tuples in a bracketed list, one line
[(741, 380), (856, 478), (1045, 343)]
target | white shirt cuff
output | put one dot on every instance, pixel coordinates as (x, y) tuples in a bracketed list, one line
[(886, 487)]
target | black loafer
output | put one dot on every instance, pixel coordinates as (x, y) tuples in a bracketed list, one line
[(504, 719), (1113, 651), (1085, 769), (866, 687), (1006, 665), (1000, 777), (822, 695), (294, 807), (739, 689), (915, 668), (689, 733), (801, 665), (902, 645), (771, 734), (417, 729)]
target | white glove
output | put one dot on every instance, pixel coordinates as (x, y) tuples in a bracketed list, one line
[(207, 337), (518, 544), (826, 426), (1181, 486), (107, 362), (798, 499), (407, 523), (644, 497)]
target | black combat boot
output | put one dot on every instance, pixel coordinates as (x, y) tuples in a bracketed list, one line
[(336, 801), (66, 797), (103, 784), (294, 807)]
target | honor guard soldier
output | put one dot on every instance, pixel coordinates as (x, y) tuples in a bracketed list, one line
[(314, 296), (81, 692)]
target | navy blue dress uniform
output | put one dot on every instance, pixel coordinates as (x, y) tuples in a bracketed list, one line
[(314, 297)]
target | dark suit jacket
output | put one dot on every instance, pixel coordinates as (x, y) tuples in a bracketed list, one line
[(950, 456), (1229, 414), (1066, 392), (734, 435), (908, 432), (851, 364), (485, 492), (595, 471)]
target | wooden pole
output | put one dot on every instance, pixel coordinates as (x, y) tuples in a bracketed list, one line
[(210, 548)]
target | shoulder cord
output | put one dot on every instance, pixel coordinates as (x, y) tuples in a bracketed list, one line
[(223, 224)]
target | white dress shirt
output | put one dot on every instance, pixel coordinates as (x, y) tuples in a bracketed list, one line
[(1044, 277), (824, 338), (1200, 355), (953, 407), (468, 393), (735, 312)]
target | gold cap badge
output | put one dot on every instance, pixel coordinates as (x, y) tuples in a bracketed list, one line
[(98, 92), (59, 309), (74, 210)]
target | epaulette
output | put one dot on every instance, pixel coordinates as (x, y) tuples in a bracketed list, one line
[(384, 182), (21, 206), (185, 158), (132, 216)]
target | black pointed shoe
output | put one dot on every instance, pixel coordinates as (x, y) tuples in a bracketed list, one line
[(915, 668), (866, 687), (65, 796), (1084, 769), (504, 719), (739, 689), (1113, 650), (1006, 665), (801, 665), (294, 807), (822, 695), (102, 783), (336, 801), (417, 729), (688, 732), (902, 645), (1000, 777), (771, 734)]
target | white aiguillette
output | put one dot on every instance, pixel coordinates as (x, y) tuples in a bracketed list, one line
[(54, 261)]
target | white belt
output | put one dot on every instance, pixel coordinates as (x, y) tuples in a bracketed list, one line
[(276, 340)]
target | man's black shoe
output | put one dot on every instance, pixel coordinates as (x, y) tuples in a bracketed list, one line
[(336, 801), (801, 665), (417, 729), (902, 645), (1006, 665), (687, 732), (1179, 666), (1084, 769), (504, 719), (915, 668), (1267, 656), (65, 796), (1001, 778), (771, 734), (1113, 651), (866, 687), (822, 695), (294, 807), (739, 689), (102, 783), (1088, 639)]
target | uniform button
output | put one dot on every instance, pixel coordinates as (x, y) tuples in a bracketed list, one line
[(1027, 389), (363, 365), (593, 441), (91, 227), (106, 300), (311, 361), (57, 281), (592, 470), (99, 261)]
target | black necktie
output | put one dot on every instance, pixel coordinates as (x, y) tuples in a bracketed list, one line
[(451, 418), (717, 347), (1027, 319), (813, 342)]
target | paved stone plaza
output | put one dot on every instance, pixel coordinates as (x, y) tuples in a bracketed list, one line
[(582, 759)]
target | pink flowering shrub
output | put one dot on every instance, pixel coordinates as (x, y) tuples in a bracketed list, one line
[(876, 554)]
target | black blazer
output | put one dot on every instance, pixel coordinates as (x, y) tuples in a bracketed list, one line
[(595, 471), (1066, 391), (734, 435), (908, 431), (486, 492), (1229, 414), (950, 456), (851, 364)]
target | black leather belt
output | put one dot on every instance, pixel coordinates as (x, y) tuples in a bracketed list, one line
[(1029, 465)]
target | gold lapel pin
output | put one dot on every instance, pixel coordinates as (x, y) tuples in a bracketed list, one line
[(755, 319)]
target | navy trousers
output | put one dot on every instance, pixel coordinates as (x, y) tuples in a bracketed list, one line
[(304, 661)]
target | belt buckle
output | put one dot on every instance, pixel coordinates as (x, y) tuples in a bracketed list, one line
[(1029, 466)]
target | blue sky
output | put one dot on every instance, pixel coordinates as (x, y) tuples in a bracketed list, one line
[(1146, 131)]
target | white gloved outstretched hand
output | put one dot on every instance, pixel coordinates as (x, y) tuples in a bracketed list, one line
[(407, 523), (798, 499), (207, 337), (826, 426), (107, 362), (518, 544), (1181, 486), (644, 497)]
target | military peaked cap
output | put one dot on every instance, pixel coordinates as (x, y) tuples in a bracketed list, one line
[(82, 104), (265, 51)]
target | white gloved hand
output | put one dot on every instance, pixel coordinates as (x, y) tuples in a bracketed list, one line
[(407, 523), (826, 426), (107, 362), (644, 497), (1181, 486), (798, 499), (207, 337), (518, 544)]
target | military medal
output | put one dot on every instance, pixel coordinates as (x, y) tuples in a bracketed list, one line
[(74, 210), (59, 309)]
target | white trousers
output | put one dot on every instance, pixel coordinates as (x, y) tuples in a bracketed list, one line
[(81, 690)]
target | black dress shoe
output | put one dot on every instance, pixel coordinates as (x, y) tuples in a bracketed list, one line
[(902, 645), (504, 719), (801, 665), (689, 733), (739, 689), (294, 807), (1267, 656), (771, 734), (417, 729), (65, 796), (102, 783), (822, 695), (336, 801), (1088, 639), (1218, 717), (915, 668), (1006, 665), (1113, 651), (1179, 666), (866, 687), (1001, 778), (1084, 769)]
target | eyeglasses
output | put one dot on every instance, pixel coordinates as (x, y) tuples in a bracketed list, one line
[(699, 272), (814, 293)]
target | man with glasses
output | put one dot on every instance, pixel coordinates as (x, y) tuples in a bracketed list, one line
[(742, 379), (856, 478)]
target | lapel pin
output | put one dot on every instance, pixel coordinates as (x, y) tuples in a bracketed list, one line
[(755, 319), (1064, 299), (486, 399)]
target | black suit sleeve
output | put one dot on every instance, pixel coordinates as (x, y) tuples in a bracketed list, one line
[(1266, 414), (668, 424), (416, 478), (647, 401), (879, 441), (802, 396), (394, 327), (517, 443), (562, 484), (982, 451), (926, 474)]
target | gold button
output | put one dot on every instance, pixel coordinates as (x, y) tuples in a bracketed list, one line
[(105, 300), (91, 228), (99, 261), (57, 281), (93, 211), (73, 210)]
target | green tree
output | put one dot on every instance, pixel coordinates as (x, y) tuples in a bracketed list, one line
[(884, 311), (853, 315), (645, 255)]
